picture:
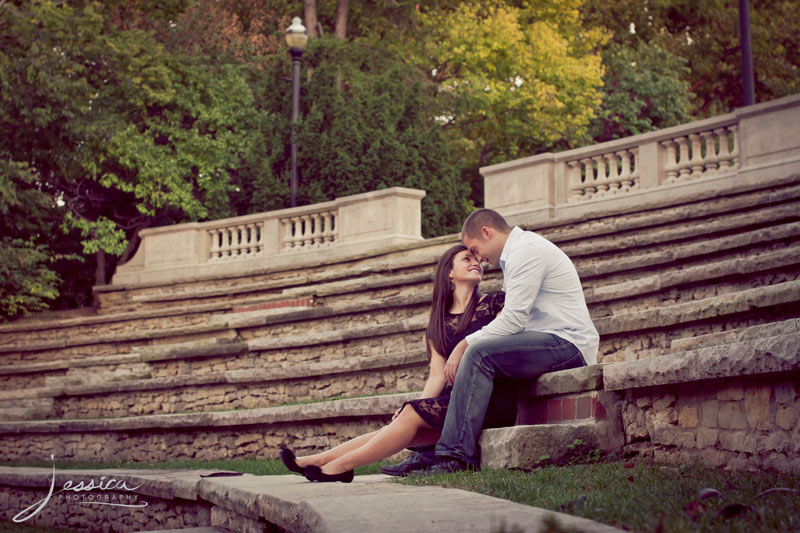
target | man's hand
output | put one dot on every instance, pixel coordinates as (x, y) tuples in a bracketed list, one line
[(451, 367)]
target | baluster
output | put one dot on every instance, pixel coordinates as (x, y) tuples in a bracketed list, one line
[(588, 177), (671, 166), (307, 240), (626, 180), (601, 179), (259, 228), (317, 231), (297, 235), (724, 149), (327, 231), (250, 230), (213, 250), (696, 163), (224, 247), (334, 232), (683, 164), (287, 234), (613, 173), (710, 159), (734, 153), (634, 155)]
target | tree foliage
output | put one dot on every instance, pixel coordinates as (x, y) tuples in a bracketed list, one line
[(511, 81), (706, 35), (644, 90), (119, 115)]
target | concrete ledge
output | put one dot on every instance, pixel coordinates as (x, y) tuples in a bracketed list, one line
[(773, 329), (350, 407), (738, 302), (251, 503), (749, 358), (524, 446), (249, 377), (585, 378)]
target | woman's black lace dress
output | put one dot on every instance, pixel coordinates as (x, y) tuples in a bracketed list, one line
[(502, 408)]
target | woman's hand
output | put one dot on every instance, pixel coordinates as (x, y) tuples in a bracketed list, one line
[(451, 367), (397, 413)]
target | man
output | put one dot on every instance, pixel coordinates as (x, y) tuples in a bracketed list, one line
[(544, 327)]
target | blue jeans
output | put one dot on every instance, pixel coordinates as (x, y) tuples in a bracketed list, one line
[(525, 355)]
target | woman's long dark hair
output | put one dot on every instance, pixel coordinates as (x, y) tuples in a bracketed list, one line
[(443, 299)]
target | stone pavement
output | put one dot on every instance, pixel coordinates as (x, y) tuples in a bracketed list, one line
[(258, 503)]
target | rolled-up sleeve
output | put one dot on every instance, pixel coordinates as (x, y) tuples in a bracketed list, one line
[(523, 276)]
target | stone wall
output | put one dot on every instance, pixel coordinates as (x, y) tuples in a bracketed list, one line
[(738, 423), (734, 404)]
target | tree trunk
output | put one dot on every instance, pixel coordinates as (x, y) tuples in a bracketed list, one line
[(341, 18), (100, 271), (341, 31), (311, 17)]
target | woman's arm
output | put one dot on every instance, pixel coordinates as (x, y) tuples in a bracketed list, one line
[(435, 383)]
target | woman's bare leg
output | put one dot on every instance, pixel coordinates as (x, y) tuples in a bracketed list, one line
[(408, 429), (322, 458)]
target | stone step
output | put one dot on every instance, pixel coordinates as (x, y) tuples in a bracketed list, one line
[(237, 433), (772, 329), (338, 288), (214, 391), (181, 499)]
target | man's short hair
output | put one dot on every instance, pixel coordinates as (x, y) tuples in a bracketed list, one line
[(480, 218)]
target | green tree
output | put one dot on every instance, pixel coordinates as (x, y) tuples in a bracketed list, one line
[(125, 134), (376, 132), (644, 90), (512, 81), (706, 34)]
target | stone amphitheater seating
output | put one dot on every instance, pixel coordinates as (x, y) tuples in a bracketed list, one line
[(315, 354)]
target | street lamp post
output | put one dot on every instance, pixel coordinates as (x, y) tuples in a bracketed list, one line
[(296, 38)]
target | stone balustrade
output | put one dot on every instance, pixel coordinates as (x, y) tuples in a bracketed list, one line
[(721, 153), (343, 227)]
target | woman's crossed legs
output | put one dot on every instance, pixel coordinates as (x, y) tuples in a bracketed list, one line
[(408, 429)]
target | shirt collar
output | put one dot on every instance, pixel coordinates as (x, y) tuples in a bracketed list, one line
[(515, 234)]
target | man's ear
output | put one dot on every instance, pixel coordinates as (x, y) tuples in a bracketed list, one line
[(487, 233)]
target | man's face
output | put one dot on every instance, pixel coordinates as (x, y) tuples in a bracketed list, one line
[(484, 246)]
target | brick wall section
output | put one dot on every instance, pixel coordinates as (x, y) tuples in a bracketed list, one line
[(564, 408), (307, 301)]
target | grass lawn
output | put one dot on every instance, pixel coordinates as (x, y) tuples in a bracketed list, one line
[(645, 497), (634, 495)]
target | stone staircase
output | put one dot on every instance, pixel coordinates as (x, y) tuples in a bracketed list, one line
[(315, 354)]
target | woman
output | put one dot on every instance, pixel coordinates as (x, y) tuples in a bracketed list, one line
[(457, 310)]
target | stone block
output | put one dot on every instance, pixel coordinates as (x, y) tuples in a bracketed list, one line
[(666, 400), (708, 413), (736, 441), (777, 441), (688, 417), (756, 405), (523, 446), (713, 457), (731, 393), (732, 416), (784, 393), (785, 417), (707, 437)]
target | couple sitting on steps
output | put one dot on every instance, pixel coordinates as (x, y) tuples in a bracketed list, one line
[(539, 323)]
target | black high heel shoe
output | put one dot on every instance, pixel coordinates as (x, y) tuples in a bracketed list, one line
[(314, 473), (289, 461)]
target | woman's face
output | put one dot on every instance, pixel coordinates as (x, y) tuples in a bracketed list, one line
[(466, 269)]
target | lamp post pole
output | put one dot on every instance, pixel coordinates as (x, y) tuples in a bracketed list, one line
[(296, 53), (748, 86), (296, 37)]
